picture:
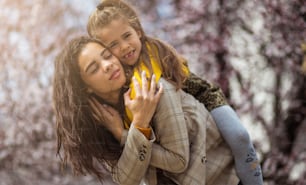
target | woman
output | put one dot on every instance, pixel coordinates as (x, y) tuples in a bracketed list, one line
[(82, 139), (86, 69)]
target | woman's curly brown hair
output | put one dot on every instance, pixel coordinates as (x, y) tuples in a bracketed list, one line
[(80, 140)]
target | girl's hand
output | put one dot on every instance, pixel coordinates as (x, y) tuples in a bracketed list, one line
[(108, 117), (145, 102)]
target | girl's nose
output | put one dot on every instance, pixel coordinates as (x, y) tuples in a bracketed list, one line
[(124, 46)]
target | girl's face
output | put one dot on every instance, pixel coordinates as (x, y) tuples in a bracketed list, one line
[(101, 72), (122, 39)]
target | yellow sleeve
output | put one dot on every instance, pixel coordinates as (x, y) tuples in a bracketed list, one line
[(145, 131)]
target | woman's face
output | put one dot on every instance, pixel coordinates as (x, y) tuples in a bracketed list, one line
[(101, 71)]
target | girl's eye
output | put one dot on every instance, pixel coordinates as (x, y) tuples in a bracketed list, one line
[(127, 35), (113, 45)]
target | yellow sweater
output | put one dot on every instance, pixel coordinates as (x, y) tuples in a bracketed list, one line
[(157, 70)]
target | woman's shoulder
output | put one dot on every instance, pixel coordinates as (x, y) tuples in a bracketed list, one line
[(167, 85)]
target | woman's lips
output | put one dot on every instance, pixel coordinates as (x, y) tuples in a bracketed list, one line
[(115, 74)]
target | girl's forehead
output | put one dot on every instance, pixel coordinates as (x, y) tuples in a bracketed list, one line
[(114, 27), (121, 20)]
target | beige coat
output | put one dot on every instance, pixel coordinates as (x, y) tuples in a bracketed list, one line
[(185, 143)]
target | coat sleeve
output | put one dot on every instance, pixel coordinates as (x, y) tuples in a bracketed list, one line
[(208, 94), (135, 158), (171, 151)]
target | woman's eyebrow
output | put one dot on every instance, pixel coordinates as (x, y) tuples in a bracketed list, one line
[(102, 52)]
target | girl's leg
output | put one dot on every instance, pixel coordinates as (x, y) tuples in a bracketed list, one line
[(238, 139)]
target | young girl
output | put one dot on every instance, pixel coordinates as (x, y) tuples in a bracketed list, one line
[(86, 69), (116, 24)]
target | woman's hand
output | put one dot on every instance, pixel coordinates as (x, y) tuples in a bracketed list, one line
[(145, 102), (108, 117)]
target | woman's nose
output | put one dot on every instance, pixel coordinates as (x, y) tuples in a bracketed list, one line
[(107, 65)]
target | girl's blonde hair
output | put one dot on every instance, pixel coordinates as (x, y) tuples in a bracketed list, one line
[(170, 62)]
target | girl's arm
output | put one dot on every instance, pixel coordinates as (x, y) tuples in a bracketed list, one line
[(208, 94)]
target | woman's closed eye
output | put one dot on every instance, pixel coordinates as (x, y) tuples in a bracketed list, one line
[(93, 68), (107, 55)]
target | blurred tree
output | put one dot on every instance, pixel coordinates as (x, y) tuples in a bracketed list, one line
[(286, 21), (252, 49), (32, 33)]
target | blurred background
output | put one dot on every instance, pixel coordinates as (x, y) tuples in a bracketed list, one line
[(255, 50)]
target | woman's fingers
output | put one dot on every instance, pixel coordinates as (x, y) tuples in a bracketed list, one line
[(93, 106), (107, 116), (101, 112), (143, 91), (96, 116), (159, 92), (110, 110), (127, 97), (153, 85), (144, 104), (137, 87), (144, 84)]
